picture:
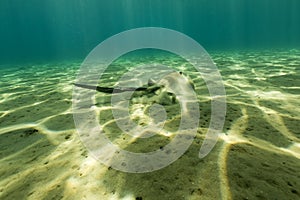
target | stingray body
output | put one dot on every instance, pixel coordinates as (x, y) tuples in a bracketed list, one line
[(171, 85)]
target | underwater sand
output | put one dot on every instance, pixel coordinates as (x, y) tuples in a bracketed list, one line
[(257, 156)]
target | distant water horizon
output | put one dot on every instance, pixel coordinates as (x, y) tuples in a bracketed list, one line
[(45, 31)]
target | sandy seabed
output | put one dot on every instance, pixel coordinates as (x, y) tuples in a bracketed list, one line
[(257, 155)]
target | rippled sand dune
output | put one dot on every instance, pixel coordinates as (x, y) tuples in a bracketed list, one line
[(257, 155)]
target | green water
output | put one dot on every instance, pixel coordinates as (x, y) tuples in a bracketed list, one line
[(61, 30), (256, 47)]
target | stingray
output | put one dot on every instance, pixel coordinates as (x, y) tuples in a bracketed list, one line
[(110, 90), (174, 80)]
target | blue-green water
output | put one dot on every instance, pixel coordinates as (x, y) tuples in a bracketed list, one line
[(60, 30), (254, 43)]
